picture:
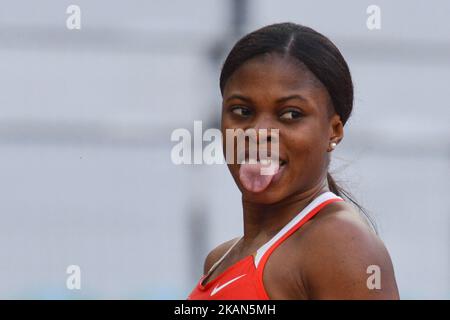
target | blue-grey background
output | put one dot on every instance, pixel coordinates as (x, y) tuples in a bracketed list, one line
[(86, 116)]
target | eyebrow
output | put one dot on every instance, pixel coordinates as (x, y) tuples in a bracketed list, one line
[(293, 96), (238, 96), (279, 100)]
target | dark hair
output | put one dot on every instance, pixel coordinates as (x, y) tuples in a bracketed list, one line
[(317, 53)]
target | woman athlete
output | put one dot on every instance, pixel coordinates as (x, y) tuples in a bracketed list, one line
[(301, 239)]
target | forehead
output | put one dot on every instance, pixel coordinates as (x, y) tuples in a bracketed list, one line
[(271, 76)]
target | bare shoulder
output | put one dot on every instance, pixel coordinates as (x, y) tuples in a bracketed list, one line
[(343, 252), (216, 253)]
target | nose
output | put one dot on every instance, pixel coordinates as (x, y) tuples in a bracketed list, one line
[(266, 130), (266, 134)]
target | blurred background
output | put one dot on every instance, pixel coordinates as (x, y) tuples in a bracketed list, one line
[(86, 116)]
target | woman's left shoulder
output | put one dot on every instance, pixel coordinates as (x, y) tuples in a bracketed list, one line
[(342, 251), (342, 224)]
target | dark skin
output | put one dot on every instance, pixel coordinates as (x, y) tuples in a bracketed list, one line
[(327, 258)]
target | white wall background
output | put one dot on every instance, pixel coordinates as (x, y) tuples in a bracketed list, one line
[(85, 123)]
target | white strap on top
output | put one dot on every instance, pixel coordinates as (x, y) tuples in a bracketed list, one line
[(313, 204), (224, 255), (260, 252)]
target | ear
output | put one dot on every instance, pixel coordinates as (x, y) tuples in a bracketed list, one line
[(336, 129)]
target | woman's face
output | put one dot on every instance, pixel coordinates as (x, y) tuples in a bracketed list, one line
[(272, 91)]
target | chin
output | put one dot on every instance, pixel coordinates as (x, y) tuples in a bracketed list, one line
[(265, 197)]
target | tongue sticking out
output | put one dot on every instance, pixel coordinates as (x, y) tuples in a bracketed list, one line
[(256, 177)]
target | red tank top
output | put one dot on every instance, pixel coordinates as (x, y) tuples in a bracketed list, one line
[(244, 279)]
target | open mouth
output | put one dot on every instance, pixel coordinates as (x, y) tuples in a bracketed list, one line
[(257, 174), (265, 161)]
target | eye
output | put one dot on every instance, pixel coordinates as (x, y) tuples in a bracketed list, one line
[(291, 115), (241, 111)]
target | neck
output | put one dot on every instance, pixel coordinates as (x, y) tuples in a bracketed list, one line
[(263, 221)]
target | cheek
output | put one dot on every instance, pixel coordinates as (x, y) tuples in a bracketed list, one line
[(223, 128), (225, 124), (298, 146), (306, 153)]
